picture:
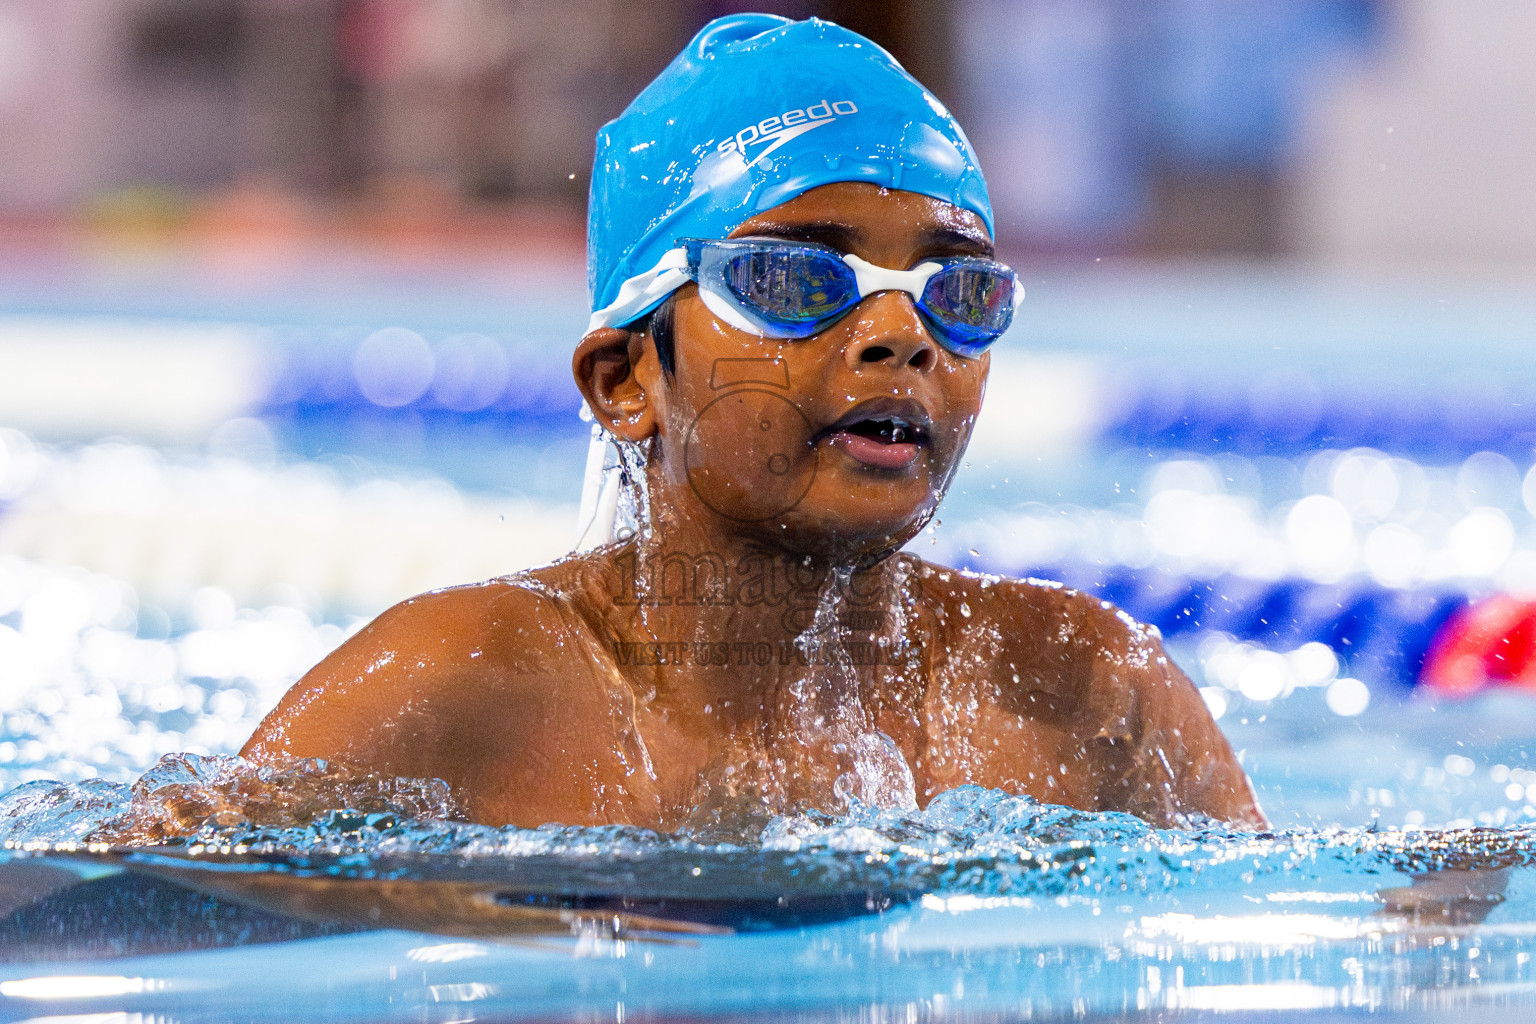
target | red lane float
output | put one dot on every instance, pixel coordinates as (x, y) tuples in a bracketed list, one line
[(1490, 643)]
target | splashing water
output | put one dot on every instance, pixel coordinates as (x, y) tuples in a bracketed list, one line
[(185, 798), (826, 710), (634, 510), (1028, 903), (968, 840)]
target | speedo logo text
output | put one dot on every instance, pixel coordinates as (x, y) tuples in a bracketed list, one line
[(772, 132)]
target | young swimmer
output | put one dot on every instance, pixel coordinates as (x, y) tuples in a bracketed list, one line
[(790, 259)]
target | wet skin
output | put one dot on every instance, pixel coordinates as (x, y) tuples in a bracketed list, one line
[(658, 681)]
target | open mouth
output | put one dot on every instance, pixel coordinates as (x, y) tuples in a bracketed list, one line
[(882, 435), (890, 430)]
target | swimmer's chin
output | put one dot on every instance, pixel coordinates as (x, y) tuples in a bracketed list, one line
[(840, 539)]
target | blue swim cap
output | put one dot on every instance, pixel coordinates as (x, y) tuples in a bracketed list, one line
[(757, 110)]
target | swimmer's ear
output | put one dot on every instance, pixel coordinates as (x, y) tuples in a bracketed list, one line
[(610, 366)]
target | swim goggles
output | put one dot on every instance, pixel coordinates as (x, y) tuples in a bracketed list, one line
[(779, 289)]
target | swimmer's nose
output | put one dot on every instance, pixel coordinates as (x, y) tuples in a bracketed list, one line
[(888, 331)]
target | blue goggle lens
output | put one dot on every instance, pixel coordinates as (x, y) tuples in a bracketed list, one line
[(969, 304), (792, 289)]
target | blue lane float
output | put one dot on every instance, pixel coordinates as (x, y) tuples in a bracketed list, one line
[(332, 375), (462, 378), (1385, 634), (1298, 412)]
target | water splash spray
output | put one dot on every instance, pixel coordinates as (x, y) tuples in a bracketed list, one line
[(828, 712)]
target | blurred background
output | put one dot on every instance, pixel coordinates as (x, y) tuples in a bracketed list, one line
[(1321, 129), (288, 290)]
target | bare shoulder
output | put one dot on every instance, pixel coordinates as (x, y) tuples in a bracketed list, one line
[(1071, 635), (1107, 678), (497, 688), (1072, 644), (420, 668)]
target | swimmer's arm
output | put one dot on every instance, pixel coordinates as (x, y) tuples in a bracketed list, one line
[(457, 685), (1176, 764)]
